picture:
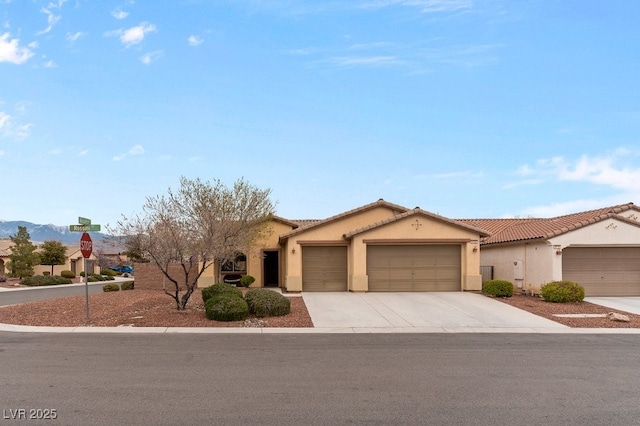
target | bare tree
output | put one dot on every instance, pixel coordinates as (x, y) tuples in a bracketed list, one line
[(195, 226)]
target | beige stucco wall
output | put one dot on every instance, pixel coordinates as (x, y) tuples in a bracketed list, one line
[(430, 230), (330, 233), (610, 232), (269, 241), (539, 264)]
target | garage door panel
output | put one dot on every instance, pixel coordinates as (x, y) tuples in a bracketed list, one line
[(603, 271), (414, 268), (324, 268)]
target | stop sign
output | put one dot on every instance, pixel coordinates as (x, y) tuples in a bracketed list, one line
[(86, 245)]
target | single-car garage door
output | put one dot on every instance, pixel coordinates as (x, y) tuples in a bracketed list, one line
[(603, 271), (414, 268), (324, 268)]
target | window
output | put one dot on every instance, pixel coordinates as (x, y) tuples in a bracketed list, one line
[(239, 264)]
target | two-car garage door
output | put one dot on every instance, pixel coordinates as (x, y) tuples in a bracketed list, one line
[(414, 267), (603, 271), (389, 268)]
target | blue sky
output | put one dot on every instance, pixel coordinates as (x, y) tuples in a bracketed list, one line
[(466, 108)]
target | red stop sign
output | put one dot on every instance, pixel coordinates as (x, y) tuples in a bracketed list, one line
[(86, 245)]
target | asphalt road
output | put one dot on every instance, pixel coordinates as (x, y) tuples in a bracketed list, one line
[(332, 379), (45, 293)]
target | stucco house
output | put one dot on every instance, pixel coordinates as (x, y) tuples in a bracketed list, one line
[(376, 247), (73, 261), (599, 249)]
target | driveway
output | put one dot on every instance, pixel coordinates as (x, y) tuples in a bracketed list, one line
[(412, 311), (626, 304)]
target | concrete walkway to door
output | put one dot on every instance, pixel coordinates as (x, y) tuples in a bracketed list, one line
[(412, 312)]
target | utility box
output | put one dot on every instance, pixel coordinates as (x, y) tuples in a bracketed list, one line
[(518, 272)]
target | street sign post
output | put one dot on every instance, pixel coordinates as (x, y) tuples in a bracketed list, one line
[(84, 228), (86, 248)]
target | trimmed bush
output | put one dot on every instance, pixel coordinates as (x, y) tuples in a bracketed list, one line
[(246, 281), (127, 285), (42, 280), (226, 307), (110, 287), (562, 292), (82, 274), (267, 303), (93, 279), (220, 288), (108, 272), (498, 288), (67, 274)]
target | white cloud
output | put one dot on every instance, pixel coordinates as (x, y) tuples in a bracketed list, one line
[(614, 169), (10, 50), (9, 128), (4, 119), (83, 152), (75, 36), (352, 61), (50, 64), (194, 40), (147, 58), (618, 170), (424, 6), (119, 14), (135, 150), (52, 18), (569, 207), (134, 35)]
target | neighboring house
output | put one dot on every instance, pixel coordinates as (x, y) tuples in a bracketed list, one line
[(73, 262), (599, 249), (4, 255), (376, 247)]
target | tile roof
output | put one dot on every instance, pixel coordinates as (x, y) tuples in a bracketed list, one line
[(512, 230)]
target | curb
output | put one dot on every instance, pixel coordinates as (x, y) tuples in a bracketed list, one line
[(307, 330)]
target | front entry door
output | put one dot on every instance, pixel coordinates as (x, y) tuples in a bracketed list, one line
[(271, 268)]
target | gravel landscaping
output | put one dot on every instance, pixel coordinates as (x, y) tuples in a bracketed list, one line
[(138, 308)]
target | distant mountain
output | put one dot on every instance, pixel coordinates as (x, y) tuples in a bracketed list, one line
[(41, 233)]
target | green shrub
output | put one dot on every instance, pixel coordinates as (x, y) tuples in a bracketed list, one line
[(562, 292), (226, 307), (220, 288), (127, 285), (110, 287), (67, 274), (498, 288), (264, 303), (42, 280), (82, 274), (246, 281), (93, 279), (108, 272)]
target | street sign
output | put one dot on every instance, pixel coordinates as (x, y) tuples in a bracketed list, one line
[(84, 228), (86, 245), (84, 221)]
